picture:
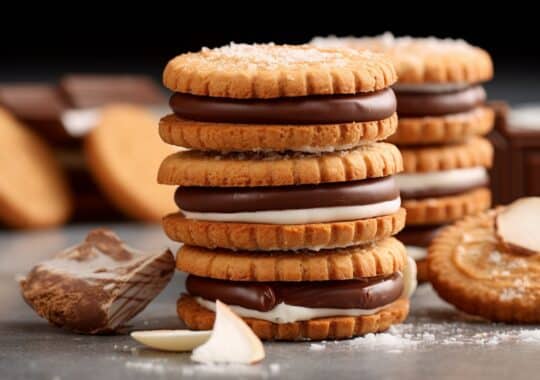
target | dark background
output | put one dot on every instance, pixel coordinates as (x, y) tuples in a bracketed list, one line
[(113, 43)]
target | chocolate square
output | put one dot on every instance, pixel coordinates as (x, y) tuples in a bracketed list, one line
[(88, 91)]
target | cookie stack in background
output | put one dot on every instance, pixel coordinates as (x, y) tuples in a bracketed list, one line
[(442, 114), (287, 201)]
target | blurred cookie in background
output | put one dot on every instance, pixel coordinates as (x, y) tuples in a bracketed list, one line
[(63, 114), (34, 191), (124, 153)]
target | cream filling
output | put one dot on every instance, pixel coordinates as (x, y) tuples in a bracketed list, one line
[(441, 180), (284, 313), (430, 87), (416, 253), (302, 216)]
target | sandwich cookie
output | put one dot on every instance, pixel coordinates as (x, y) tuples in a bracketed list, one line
[(439, 94), (34, 191), (334, 294), (255, 201), (488, 264), (277, 98)]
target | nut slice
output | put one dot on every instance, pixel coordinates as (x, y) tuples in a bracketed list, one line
[(232, 341), (518, 226), (171, 340)]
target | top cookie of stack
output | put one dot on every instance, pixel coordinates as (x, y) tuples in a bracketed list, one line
[(284, 148), (275, 98)]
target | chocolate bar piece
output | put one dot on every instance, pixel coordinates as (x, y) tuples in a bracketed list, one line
[(39, 106), (89, 91), (98, 285), (516, 138)]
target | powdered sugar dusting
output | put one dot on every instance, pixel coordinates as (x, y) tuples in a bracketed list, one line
[(254, 57), (317, 347), (389, 41)]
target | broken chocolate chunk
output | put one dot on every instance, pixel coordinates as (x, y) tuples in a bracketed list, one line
[(97, 286)]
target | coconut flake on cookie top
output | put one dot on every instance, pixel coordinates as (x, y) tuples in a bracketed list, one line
[(439, 64), (271, 71)]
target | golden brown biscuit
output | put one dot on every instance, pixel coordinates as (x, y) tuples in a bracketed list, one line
[(123, 153), (447, 209), (467, 269), (266, 237), (271, 71), (197, 317), (194, 168), (33, 189), (384, 257), (226, 137), (475, 151), (443, 129), (424, 60)]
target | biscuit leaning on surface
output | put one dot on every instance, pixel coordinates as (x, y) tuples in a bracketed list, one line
[(123, 154), (469, 269), (33, 189)]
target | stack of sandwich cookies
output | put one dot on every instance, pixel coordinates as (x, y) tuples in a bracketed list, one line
[(282, 198), (442, 113)]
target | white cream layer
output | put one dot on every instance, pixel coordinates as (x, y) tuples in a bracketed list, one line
[(302, 216), (430, 87), (416, 253), (441, 180), (284, 313)]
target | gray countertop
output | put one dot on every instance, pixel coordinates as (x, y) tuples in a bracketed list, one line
[(435, 342)]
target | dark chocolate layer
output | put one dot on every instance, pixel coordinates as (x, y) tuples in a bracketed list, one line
[(298, 110), (368, 293), (438, 104), (419, 236), (247, 199)]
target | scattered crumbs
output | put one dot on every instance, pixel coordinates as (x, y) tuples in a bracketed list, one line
[(529, 336), (275, 368), (146, 366), (317, 347), (383, 341), (231, 370), (418, 336), (428, 337), (495, 257)]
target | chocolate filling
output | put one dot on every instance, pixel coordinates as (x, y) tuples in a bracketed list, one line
[(418, 236), (249, 199), (412, 104), (294, 110), (441, 192), (366, 293)]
